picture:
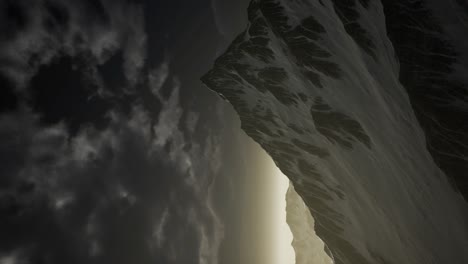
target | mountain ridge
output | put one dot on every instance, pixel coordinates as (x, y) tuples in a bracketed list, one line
[(318, 85), (307, 246)]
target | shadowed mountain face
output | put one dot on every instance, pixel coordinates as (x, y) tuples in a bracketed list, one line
[(363, 105), (431, 48)]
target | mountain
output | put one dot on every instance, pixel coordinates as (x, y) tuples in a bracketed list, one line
[(307, 245), (364, 106)]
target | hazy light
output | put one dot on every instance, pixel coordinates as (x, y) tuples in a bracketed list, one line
[(282, 249)]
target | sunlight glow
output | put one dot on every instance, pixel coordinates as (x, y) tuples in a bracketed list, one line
[(283, 250)]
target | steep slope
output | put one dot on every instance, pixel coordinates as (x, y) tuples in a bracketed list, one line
[(319, 86), (308, 247), (431, 43)]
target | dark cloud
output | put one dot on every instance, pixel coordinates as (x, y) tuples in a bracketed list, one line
[(8, 98), (39, 31), (67, 96), (100, 162), (116, 195)]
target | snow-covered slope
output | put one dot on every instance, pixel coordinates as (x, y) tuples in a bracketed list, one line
[(363, 105), (308, 247)]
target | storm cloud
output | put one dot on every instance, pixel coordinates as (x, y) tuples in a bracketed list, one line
[(38, 31), (134, 190), (96, 170)]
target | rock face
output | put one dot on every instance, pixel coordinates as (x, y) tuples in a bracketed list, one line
[(309, 248), (363, 105)]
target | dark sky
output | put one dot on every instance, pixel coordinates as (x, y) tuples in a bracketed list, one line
[(111, 149)]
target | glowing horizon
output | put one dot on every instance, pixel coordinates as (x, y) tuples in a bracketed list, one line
[(283, 250)]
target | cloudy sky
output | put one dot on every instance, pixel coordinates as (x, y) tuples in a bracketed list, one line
[(111, 149)]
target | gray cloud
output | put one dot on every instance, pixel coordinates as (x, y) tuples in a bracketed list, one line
[(201, 163), (137, 188), (158, 77), (158, 233), (43, 30), (102, 190)]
